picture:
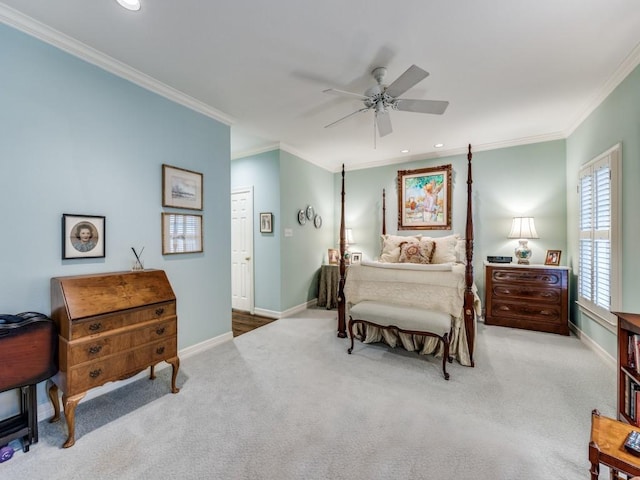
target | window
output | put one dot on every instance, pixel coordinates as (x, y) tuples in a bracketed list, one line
[(598, 257)]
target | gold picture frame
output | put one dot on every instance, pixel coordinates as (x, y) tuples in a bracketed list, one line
[(424, 198), (552, 257), (181, 233)]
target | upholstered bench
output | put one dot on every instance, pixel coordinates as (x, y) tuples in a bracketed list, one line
[(411, 320)]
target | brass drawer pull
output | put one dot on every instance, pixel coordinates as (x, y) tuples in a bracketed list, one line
[(160, 350), (95, 326), (160, 330), (95, 349), (95, 373), (159, 311)]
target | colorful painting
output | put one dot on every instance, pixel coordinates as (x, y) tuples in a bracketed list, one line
[(424, 199)]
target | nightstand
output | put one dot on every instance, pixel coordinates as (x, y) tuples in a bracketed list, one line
[(532, 297)]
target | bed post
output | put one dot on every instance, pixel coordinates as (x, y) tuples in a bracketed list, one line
[(342, 325), (384, 213), (469, 311)]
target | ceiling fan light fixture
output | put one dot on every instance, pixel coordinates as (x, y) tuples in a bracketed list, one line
[(133, 5), (406, 150), (438, 145)]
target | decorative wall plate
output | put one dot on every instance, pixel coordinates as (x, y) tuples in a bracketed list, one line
[(310, 212), (302, 218), (317, 221)]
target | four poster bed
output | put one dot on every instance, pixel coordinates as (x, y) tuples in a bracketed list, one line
[(445, 286)]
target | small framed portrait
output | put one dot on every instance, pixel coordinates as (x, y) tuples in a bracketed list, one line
[(356, 258), (181, 233), (83, 236), (266, 222), (334, 256), (181, 188), (552, 257)]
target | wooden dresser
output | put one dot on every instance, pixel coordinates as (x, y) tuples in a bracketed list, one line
[(111, 327), (533, 297)]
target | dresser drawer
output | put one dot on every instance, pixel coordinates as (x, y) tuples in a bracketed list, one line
[(532, 294), (550, 314), (93, 374), (105, 323), (523, 277), (102, 345)]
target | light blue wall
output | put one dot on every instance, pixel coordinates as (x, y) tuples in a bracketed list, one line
[(262, 172), (303, 184), (527, 180), (617, 119), (76, 139)]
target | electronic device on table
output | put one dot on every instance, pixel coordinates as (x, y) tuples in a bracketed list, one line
[(498, 259)]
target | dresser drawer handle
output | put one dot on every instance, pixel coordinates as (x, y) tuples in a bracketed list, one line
[(159, 311), (160, 331), (95, 373), (95, 349), (95, 326), (160, 350)]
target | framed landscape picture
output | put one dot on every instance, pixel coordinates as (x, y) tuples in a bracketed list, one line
[(424, 199), (181, 188), (83, 236), (181, 233)]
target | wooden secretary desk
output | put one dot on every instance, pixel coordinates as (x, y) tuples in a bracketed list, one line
[(111, 327)]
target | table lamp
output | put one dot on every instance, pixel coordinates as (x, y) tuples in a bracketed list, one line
[(523, 229)]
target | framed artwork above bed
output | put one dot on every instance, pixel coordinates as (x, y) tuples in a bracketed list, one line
[(424, 198)]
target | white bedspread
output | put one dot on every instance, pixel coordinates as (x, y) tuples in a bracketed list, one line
[(439, 289)]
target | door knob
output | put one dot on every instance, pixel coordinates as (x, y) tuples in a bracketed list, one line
[(247, 258)]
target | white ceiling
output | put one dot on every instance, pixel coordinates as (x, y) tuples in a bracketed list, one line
[(514, 72)]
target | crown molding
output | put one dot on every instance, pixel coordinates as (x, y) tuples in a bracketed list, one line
[(255, 151), (78, 49), (626, 67)]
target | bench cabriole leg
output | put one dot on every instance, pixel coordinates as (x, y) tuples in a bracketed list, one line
[(350, 334), (445, 355)]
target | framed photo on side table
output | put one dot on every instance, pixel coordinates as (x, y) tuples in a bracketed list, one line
[(266, 222), (552, 257), (356, 258), (181, 188), (334, 256), (181, 233), (83, 236)]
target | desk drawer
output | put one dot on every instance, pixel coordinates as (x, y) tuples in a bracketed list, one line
[(104, 323), (119, 366), (103, 345)]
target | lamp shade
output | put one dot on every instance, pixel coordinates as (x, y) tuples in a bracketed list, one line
[(523, 227), (349, 236)]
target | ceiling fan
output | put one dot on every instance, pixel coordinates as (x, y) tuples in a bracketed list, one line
[(382, 98)]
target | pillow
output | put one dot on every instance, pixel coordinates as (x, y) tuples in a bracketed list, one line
[(391, 246), (461, 251), (417, 252), (445, 248)]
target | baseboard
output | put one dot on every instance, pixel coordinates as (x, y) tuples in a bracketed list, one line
[(595, 347), (45, 410), (291, 311)]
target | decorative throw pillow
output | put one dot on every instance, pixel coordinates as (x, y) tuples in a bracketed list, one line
[(417, 252), (391, 247), (445, 248)]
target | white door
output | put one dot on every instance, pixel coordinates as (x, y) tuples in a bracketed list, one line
[(242, 249)]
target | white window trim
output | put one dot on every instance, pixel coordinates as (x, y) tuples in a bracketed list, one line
[(601, 316)]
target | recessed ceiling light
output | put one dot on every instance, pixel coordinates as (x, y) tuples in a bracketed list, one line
[(404, 151), (439, 145), (130, 4)]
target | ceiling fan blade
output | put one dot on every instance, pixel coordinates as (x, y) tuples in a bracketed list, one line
[(342, 93), (383, 119), (437, 107), (407, 80), (344, 118)]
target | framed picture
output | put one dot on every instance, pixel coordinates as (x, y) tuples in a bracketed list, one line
[(266, 222), (181, 233), (334, 256), (181, 188), (424, 198), (83, 236), (356, 258), (552, 257)]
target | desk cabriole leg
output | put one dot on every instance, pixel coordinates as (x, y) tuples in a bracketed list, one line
[(55, 402), (70, 404), (175, 363)]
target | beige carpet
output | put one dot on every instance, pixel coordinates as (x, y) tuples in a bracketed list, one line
[(285, 401)]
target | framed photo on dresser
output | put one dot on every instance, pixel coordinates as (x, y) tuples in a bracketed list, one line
[(552, 257)]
